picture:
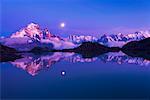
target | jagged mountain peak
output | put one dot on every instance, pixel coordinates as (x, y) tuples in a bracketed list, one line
[(33, 35), (34, 31), (112, 39), (30, 30)]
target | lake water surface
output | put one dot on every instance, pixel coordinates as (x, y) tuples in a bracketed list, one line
[(68, 75)]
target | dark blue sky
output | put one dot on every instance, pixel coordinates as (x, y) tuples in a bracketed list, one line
[(89, 16)]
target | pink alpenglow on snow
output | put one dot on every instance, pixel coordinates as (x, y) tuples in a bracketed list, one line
[(32, 32), (26, 38)]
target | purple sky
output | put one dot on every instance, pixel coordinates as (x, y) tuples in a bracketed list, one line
[(87, 16)]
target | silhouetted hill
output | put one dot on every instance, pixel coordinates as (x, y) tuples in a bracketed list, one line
[(138, 48), (8, 54), (39, 50), (90, 49)]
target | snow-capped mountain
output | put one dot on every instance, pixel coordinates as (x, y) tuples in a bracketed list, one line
[(79, 39), (112, 39), (32, 35)]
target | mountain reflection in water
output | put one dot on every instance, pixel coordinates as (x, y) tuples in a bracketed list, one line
[(34, 63)]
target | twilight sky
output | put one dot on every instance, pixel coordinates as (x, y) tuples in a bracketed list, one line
[(86, 16)]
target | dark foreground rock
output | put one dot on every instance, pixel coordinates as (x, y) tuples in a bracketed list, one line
[(90, 49), (8, 54), (138, 48), (39, 50)]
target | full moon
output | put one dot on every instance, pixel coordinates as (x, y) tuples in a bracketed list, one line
[(63, 73), (62, 25)]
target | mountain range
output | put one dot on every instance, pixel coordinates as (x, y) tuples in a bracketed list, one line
[(112, 39), (33, 35), (34, 39)]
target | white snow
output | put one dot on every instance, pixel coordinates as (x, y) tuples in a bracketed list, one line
[(33, 31)]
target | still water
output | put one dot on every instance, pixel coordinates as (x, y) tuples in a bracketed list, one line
[(68, 75)]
